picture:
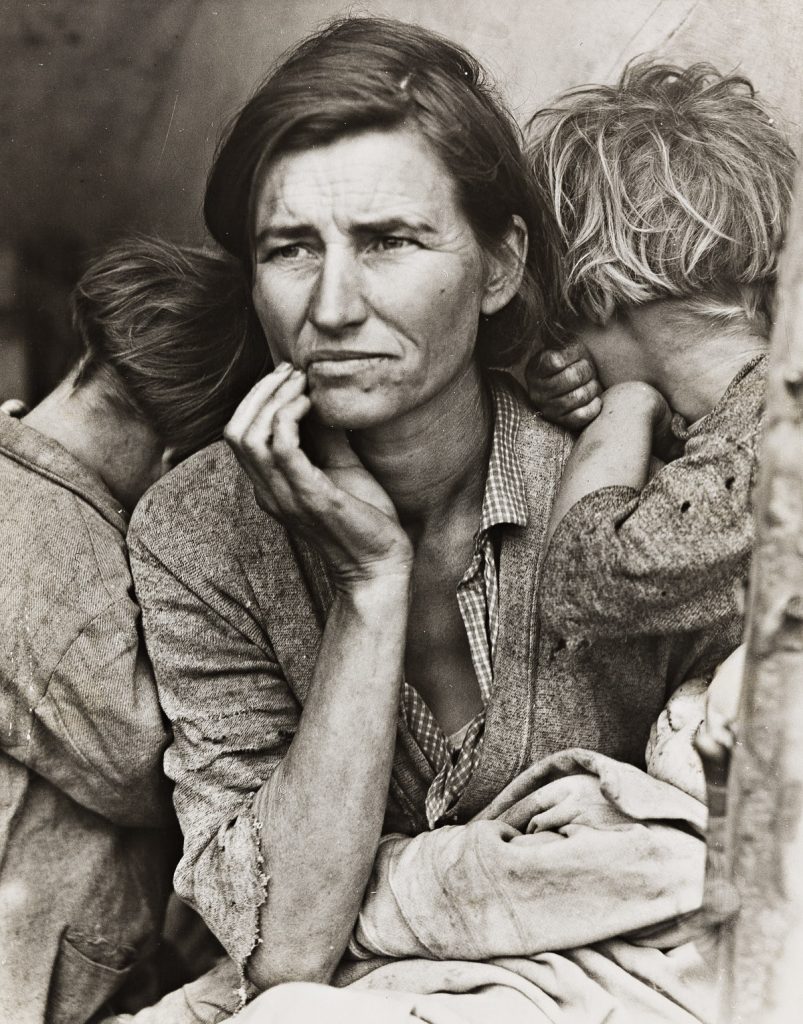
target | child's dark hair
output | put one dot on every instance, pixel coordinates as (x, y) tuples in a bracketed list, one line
[(674, 183), (171, 333)]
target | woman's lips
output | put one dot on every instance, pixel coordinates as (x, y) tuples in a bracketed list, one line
[(343, 365)]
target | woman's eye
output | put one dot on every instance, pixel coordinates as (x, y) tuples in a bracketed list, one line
[(391, 243), (288, 253)]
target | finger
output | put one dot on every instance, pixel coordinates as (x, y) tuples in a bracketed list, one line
[(577, 398), (331, 447), (14, 407), (260, 393), (553, 818), (574, 376), (523, 811), (550, 361), (578, 419), (313, 492), (266, 500), (270, 492), (275, 492), (255, 437), (285, 427)]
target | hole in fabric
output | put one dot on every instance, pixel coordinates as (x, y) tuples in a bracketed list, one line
[(685, 506), (557, 647), (730, 482)]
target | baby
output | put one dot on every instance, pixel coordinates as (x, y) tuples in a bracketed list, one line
[(670, 192)]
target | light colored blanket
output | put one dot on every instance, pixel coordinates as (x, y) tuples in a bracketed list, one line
[(571, 899)]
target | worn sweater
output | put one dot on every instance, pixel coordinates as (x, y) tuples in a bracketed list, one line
[(234, 609)]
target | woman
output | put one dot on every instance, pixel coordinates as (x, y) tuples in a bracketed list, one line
[(367, 658)]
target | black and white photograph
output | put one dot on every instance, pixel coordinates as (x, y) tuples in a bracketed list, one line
[(401, 512)]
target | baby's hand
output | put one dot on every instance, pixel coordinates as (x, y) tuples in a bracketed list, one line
[(725, 691), (563, 385), (714, 741)]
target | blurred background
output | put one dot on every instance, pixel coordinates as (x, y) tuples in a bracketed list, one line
[(110, 111)]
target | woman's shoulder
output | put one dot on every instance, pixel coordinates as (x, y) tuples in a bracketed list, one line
[(541, 447), (206, 502)]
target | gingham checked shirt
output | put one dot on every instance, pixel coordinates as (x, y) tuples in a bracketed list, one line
[(504, 502)]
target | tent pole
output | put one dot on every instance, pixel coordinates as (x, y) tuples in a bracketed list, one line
[(761, 949)]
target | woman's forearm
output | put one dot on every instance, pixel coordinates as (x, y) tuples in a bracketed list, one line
[(322, 811)]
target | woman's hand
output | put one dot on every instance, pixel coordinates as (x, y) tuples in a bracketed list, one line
[(563, 385), (337, 505), (573, 800)]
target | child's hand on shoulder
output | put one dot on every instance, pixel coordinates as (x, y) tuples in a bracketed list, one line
[(563, 385)]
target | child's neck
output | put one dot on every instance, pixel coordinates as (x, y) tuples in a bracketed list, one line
[(119, 448), (692, 358)]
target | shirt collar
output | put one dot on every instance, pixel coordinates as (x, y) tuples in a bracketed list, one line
[(46, 457), (505, 498)]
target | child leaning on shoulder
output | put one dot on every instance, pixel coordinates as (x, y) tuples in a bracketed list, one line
[(670, 192)]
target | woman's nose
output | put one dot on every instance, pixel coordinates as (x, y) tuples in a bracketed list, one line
[(338, 302)]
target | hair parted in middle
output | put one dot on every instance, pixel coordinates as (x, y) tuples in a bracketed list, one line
[(673, 183), (363, 74)]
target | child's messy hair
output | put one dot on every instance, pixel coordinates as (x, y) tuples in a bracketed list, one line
[(674, 183), (170, 332)]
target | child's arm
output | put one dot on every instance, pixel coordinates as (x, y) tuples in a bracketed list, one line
[(615, 449), (667, 557)]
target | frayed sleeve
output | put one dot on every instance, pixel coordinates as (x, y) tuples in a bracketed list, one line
[(232, 712)]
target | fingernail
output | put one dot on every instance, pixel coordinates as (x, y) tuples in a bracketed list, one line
[(283, 367)]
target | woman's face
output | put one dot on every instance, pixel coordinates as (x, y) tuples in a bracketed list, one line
[(367, 274)]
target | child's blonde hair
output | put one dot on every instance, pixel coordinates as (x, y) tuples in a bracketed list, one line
[(674, 183)]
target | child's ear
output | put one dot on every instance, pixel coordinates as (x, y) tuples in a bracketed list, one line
[(505, 268)]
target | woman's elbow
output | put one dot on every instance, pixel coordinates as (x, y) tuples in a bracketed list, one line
[(269, 967)]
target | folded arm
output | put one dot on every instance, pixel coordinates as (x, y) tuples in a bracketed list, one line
[(675, 546), (571, 862)]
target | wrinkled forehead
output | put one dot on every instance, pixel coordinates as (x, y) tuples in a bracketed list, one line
[(371, 175)]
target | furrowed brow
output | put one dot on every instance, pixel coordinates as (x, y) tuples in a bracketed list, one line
[(391, 225), (283, 232)]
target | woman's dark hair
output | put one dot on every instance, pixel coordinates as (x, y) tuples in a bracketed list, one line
[(360, 74), (171, 335)]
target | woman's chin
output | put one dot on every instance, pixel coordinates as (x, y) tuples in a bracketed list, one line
[(350, 408)]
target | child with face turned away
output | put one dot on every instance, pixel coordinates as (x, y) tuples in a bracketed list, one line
[(90, 840), (670, 193)]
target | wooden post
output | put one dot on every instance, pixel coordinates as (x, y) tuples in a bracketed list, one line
[(762, 948)]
